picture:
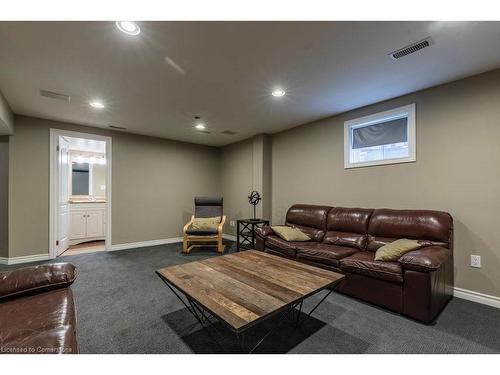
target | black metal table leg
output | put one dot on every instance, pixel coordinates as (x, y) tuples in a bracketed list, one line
[(198, 318), (298, 314), (240, 336), (281, 319), (313, 309), (203, 316), (320, 302)]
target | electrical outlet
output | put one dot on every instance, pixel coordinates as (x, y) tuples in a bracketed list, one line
[(232, 223), (475, 261)]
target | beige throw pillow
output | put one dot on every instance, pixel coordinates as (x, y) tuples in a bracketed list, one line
[(205, 223), (395, 250), (289, 233)]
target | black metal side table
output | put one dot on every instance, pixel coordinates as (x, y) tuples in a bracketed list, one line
[(246, 231)]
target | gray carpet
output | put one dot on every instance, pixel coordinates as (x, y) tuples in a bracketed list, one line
[(123, 307)]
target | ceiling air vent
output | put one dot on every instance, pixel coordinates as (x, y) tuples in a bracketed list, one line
[(228, 132), (412, 48), (117, 127), (55, 95)]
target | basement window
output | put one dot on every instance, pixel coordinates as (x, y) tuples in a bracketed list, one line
[(382, 138)]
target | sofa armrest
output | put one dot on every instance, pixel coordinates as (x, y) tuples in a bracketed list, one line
[(261, 234), (264, 231), (427, 259), (36, 279)]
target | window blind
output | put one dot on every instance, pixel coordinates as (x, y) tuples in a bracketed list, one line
[(383, 133)]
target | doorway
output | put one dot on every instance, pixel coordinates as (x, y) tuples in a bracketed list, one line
[(80, 193)]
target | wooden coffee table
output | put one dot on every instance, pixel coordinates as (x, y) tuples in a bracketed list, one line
[(245, 288)]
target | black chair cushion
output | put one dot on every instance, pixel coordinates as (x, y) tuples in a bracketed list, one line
[(207, 206), (208, 201), (202, 232)]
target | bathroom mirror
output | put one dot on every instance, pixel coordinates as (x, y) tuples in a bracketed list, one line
[(80, 179), (88, 179)]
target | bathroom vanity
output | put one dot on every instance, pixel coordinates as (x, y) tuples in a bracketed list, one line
[(87, 221)]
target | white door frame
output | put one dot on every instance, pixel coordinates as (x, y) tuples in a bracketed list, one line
[(54, 172)]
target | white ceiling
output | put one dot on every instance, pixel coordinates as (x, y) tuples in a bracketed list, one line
[(156, 82)]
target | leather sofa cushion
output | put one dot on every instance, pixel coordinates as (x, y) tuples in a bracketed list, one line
[(364, 263), (355, 240), (353, 220), (36, 279), (425, 260), (323, 253), (46, 320), (347, 227), (281, 246), (310, 219), (308, 215), (412, 224)]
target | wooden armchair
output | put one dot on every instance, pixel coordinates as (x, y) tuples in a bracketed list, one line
[(204, 207)]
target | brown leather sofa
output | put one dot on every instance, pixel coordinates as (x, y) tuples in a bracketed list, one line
[(37, 310), (418, 285)]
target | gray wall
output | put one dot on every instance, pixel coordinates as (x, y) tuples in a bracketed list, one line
[(262, 168), (457, 170), (4, 196), (236, 171), (154, 182), (6, 117), (246, 166)]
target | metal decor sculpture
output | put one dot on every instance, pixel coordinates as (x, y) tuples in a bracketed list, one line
[(254, 199)]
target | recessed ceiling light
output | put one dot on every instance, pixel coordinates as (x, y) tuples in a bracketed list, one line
[(96, 104), (200, 126), (278, 92), (128, 27)]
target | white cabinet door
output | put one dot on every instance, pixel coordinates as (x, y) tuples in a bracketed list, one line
[(78, 224), (95, 223)]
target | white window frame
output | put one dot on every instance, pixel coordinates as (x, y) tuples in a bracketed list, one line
[(407, 111)]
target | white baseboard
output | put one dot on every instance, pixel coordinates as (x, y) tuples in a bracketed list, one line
[(470, 295), (131, 245), (163, 241), (229, 237), (24, 259)]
